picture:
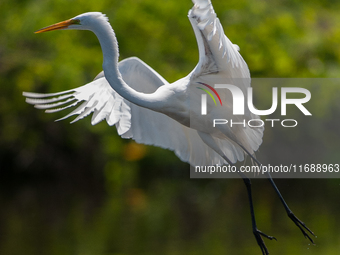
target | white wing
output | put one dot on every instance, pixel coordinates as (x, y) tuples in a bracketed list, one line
[(141, 124), (216, 52), (221, 63)]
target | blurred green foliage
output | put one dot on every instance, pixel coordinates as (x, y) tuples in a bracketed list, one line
[(81, 189)]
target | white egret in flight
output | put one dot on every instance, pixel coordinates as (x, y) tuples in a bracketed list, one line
[(145, 107)]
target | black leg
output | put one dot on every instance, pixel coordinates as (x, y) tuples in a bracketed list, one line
[(302, 226), (257, 233)]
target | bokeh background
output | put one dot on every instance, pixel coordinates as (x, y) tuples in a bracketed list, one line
[(81, 189)]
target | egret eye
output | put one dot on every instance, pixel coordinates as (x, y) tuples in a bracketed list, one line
[(75, 22)]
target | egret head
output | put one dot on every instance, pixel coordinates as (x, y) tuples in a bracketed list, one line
[(81, 22)]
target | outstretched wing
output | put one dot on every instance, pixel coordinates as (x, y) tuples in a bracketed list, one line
[(221, 63), (217, 54), (132, 121)]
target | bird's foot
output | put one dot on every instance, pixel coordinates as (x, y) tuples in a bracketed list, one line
[(258, 236), (302, 226)]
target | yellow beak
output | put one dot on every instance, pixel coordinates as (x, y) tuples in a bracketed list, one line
[(60, 25)]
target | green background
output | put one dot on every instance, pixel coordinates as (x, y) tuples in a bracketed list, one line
[(81, 189)]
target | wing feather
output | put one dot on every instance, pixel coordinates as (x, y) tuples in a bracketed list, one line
[(141, 124), (216, 51), (221, 63)]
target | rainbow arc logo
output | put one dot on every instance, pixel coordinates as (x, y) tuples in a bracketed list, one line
[(204, 97)]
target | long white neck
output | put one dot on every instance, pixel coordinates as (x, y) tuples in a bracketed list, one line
[(109, 45)]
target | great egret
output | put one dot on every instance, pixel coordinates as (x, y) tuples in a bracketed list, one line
[(146, 108)]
